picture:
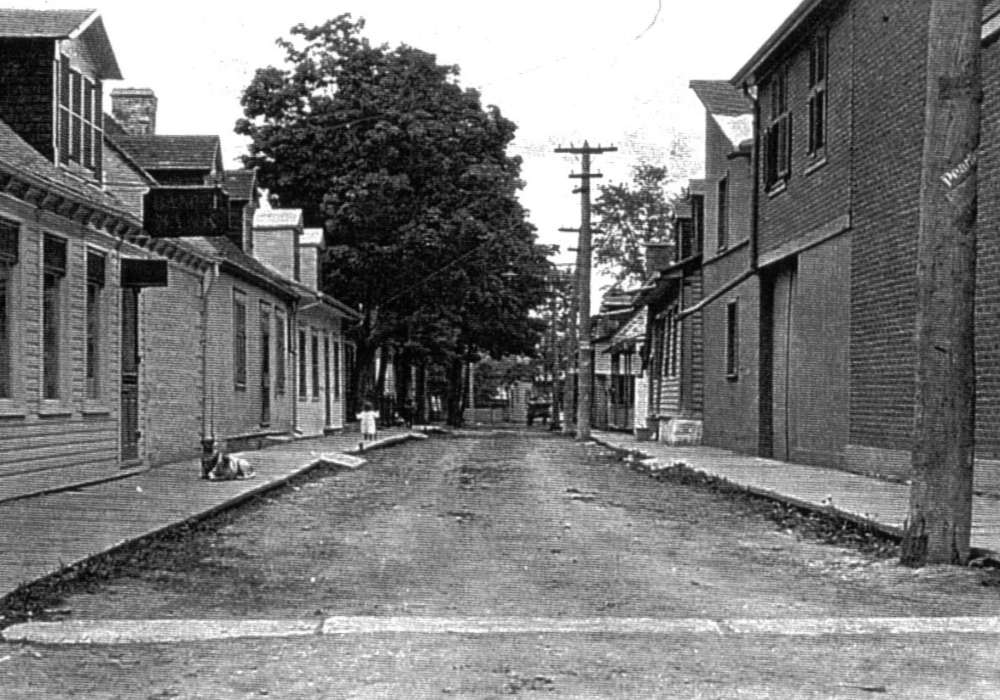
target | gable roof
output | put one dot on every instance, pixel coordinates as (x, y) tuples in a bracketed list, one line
[(721, 98), (155, 152), (19, 160), (63, 24), (44, 24), (240, 184)]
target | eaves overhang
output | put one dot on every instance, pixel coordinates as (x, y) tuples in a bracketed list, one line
[(283, 292), (63, 201), (800, 16), (803, 16)]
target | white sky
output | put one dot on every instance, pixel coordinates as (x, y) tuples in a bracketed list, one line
[(563, 70)]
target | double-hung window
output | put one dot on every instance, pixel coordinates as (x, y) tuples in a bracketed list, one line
[(80, 118), (95, 285), (817, 93), (778, 135), (303, 367), (279, 353), (54, 264), (9, 245)]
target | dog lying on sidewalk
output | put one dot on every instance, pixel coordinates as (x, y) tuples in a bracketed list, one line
[(219, 466)]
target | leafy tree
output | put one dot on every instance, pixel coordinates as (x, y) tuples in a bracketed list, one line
[(409, 176), (631, 215)]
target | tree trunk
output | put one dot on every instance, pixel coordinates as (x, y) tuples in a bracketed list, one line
[(421, 391), (455, 386), (940, 518)]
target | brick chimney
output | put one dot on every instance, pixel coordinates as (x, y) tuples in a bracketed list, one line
[(135, 110)]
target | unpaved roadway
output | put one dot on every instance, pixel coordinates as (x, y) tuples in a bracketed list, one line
[(512, 563)]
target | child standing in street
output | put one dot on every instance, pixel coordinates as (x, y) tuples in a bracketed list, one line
[(369, 421)]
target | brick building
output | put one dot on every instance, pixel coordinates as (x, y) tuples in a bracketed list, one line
[(826, 338), (729, 308)]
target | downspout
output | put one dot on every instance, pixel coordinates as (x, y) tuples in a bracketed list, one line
[(293, 334), (755, 167), (751, 270)]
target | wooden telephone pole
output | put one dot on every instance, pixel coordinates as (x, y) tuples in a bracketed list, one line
[(940, 518), (586, 364)]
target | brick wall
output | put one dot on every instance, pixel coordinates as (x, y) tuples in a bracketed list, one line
[(987, 282), (276, 247), (730, 406), (309, 266), (171, 380), (817, 190), (237, 410), (889, 62)]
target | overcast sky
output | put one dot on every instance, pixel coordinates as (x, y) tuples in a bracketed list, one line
[(613, 73)]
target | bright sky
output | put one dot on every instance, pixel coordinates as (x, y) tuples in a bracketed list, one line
[(564, 71)]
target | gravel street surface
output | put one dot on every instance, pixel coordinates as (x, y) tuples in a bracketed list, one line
[(501, 563)]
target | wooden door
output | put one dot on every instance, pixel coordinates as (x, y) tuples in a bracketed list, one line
[(130, 375)]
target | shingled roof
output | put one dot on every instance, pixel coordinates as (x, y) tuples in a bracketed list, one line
[(62, 24), (155, 152), (721, 98), (43, 24), (18, 159)]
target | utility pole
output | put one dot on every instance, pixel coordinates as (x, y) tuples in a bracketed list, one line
[(586, 366), (574, 340), (940, 518)]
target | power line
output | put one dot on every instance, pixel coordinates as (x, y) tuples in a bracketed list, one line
[(583, 282)]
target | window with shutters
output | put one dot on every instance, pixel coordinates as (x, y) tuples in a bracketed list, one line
[(303, 367), (80, 117), (280, 353), (336, 370), (9, 244), (239, 339), (95, 287), (315, 365), (54, 271), (778, 134), (818, 67)]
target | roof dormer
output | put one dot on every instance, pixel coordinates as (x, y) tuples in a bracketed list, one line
[(52, 67)]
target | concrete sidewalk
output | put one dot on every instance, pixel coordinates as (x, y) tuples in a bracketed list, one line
[(880, 504), (41, 535)]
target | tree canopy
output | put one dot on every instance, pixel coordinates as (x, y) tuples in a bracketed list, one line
[(409, 176), (630, 216)]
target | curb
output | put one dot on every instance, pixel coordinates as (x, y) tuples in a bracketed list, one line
[(118, 476), (897, 533), (235, 500)]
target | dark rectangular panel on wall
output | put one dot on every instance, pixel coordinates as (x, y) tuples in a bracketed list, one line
[(142, 272), (175, 212)]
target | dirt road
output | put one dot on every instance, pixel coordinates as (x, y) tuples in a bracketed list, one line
[(565, 545)]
